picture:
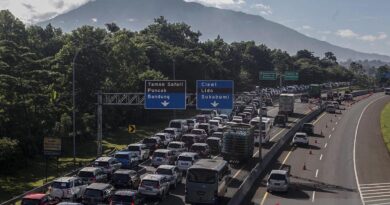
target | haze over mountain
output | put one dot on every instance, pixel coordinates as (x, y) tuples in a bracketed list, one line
[(211, 22)]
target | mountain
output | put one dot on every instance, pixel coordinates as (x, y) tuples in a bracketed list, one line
[(211, 22)]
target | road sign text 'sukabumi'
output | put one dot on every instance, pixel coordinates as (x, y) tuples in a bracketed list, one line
[(214, 94), (165, 94)]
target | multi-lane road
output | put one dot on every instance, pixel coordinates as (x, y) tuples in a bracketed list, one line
[(345, 163)]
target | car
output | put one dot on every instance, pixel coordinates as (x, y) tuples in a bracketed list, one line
[(69, 203), (300, 138), (264, 111), (336, 105), (38, 199), (108, 164), (304, 98), (127, 159), (152, 143), (268, 102), (186, 160), (348, 97), (141, 150), (92, 174), (225, 117), (214, 125), (202, 149), (124, 178), (217, 134), (237, 120), (190, 139), (173, 174), (280, 120), (220, 119), (278, 180), (163, 156), (201, 133), (70, 188), (126, 197), (166, 138), (191, 124), (205, 126), (154, 185), (177, 146), (174, 132), (308, 128), (215, 144), (97, 193), (202, 118), (180, 124), (330, 108)]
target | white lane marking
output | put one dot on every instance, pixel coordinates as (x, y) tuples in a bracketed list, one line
[(332, 129), (376, 193), (374, 190), (354, 147), (326, 144), (316, 173), (319, 118), (373, 184), (374, 200), (337, 123), (321, 157), (330, 136), (377, 186), (386, 203), (314, 195)]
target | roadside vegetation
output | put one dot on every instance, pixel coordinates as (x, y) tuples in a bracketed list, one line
[(385, 125)]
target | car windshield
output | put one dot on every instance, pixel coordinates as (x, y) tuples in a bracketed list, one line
[(102, 164), (117, 176), (60, 185), (277, 177), (162, 137), (133, 148), (300, 135), (198, 148), (159, 154), (122, 156), (205, 127), (149, 141), (31, 202), (93, 193), (184, 158), (197, 132), (174, 145), (164, 171), (85, 174), (186, 138), (175, 124), (122, 198), (214, 123), (149, 183), (213, 142), (202, 176)]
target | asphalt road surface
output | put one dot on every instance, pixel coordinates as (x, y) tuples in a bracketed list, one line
[(324, 172)]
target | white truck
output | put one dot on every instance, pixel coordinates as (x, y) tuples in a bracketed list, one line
[(286, 104)]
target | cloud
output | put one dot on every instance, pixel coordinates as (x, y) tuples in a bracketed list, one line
[(58, 4), (263, 9), (346, 33), (94, 20), (372, 38), (220, 3), (29, 7), (307, 27), (131, 20), (42, 16), (325, 32)]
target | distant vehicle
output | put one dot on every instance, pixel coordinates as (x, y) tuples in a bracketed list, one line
[(330, 108), (225, 117), (126, 197), (202, 119), (304, 98), (163, 156), (177, 147), (191, 124), (237, 142), (97, 193), (141, 150), (220, 120), (315, 91), (152, 143), (268, 102), (336, 105), (154, 185), (308, 128), (186, 160), (215, 144), (69, 203), (214, 125), (206, 181), (217, 134), (201, 148), (174, 132), (173, 174), (92, 174), (264, 111), (211, 113), (286, 104), (205, 126), (124, 178), (387, 91), (108, 164), (190, 139), (348, 97), (38, 199), (165, 138), (280, 120), (300, 138), (180, 125), (71, 188), (201, 133), (127, 159), (278, 180)]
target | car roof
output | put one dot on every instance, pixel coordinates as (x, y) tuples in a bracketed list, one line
[(188, 154), (157, 138), (199, 144), (212, 164), (125, 192), (213, 120), (198, 129), (65, 179), (176, 142), (166, 166), (213, 138), (190, 135), (279, 171), (162, 150), (220, 133), (301, 133), (103, 159), (136, 144), (89, 169), (168, 128), (163, 133), (34, 196), (125, 171), (99, 186), (153, 177), (122, 152)]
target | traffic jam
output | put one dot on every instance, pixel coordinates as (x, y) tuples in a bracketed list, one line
[(192, 156)]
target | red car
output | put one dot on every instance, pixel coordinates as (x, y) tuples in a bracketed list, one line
[(38, 199)]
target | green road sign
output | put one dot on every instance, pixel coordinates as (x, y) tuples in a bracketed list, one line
[(268, 75), (291, 75)]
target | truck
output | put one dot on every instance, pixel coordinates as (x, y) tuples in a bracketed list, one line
[(286, 104), (314, 91), (238, 142)]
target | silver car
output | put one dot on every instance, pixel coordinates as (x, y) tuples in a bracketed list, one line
[(173, 174), (154, 185), (278, 180)]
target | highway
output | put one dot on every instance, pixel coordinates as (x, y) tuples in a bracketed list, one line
[(240, 171), (325, 173)]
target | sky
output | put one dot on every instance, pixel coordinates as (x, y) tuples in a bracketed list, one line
[(362, 25)]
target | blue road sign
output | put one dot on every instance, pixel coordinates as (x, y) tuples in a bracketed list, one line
[(165, 94), (214, 94)]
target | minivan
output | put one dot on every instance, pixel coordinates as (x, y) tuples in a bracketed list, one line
[(163, 156)]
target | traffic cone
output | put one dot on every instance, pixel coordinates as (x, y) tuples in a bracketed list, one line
[(310, 152), (315, 141)]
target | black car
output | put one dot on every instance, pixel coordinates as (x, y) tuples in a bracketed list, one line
[(308, 128), (280, 120), (97, 193), (126, 197), (125, 178)]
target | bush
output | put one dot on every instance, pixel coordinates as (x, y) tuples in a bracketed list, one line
[(10, 155)]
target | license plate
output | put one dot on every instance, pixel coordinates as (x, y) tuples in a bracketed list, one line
[(149, 189)]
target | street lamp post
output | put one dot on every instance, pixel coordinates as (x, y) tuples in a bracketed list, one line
[(74, 104)]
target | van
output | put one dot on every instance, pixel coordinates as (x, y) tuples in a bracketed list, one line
[(127, 159), (141, 150), (177, 147), (186, 160), (179, 124), (190, 139), (163, 156), (92, 174)]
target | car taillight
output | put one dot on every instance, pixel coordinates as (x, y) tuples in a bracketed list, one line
[(132, 203)]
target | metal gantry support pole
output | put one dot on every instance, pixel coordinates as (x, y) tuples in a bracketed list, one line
[(99, 122), (260, 92), (74, 104)]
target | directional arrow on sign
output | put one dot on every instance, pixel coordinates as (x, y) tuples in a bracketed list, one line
[(131, 129), (165, 103), (214, 104)]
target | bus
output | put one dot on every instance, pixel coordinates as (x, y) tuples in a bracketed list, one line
[(266, 128), (206, 181)]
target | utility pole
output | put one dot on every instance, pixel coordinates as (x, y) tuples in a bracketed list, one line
[(260, 92), (174, 78), (74, 104), (99, 122)]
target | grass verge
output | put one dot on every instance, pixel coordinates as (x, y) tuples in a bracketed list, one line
[(385, 125)]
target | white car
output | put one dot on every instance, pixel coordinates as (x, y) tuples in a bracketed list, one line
[(166, 138), (154, 185), (173, 174), (214, 125), (71, 188), (331, 108), (174, 132), (278, 180), (300, 138), (108, 164), (177, 147), (141, 150), (186, 160)]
